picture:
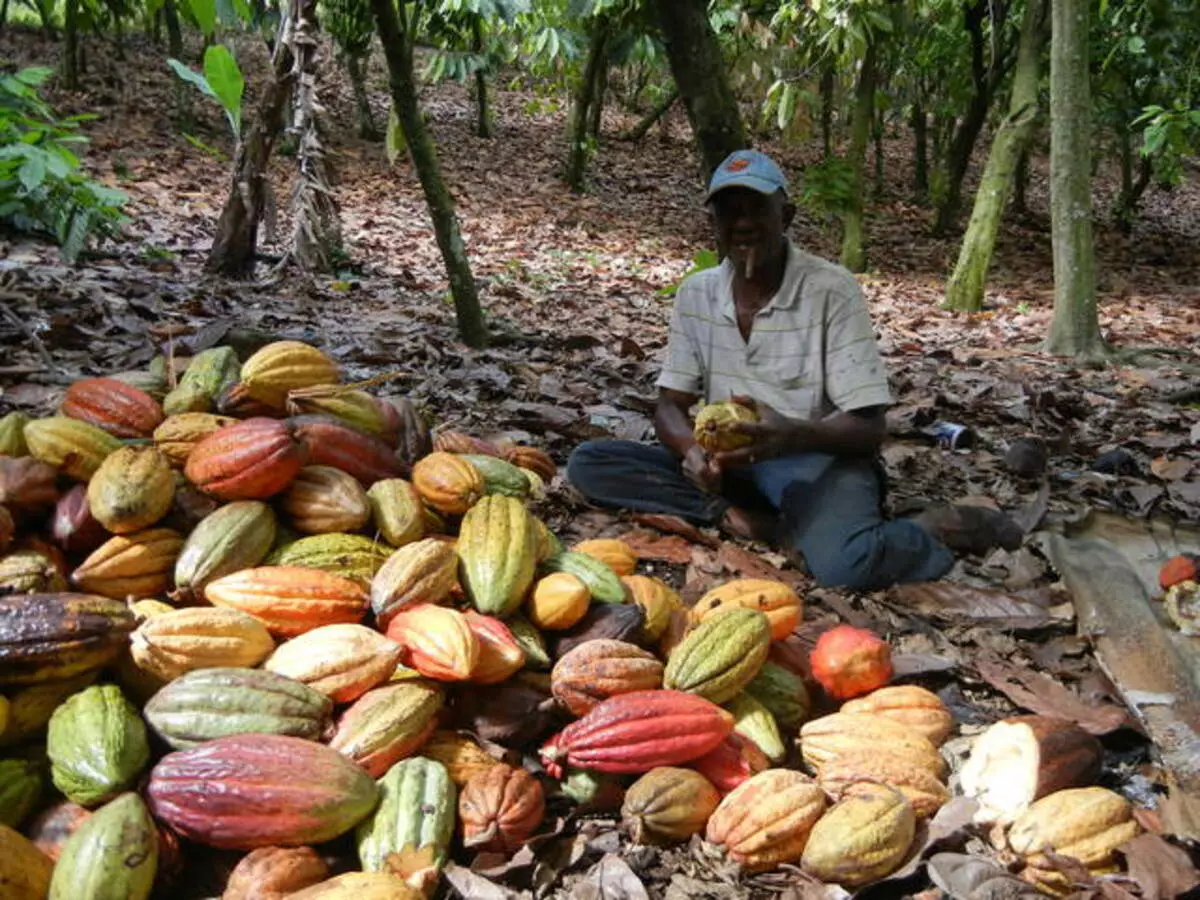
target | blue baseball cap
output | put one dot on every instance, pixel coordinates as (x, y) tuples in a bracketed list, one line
[(749, 169)]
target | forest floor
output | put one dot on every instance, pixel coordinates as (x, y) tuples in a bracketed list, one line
[(572, 287)]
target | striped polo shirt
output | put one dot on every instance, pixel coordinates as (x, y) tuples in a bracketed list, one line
[(811, 352)]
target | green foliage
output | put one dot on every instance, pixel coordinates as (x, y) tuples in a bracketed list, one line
[(42, 189), (222, 81), (351, 24), (704, 259), (828, 188)]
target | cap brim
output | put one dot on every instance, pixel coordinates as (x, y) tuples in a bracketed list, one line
[(753, 182)]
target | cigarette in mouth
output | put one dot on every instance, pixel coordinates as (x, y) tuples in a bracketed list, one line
[(750, 264)]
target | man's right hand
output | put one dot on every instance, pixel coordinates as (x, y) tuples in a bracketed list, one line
[(701, 470)]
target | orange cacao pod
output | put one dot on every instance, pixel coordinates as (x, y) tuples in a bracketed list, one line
[(113, 406), (862, 838), (600, 669), (342, 662), (290, 600), (328, 442), (136, 565), (447, 482), (668, 805), (500, 808), (251, 460), (178, 434), (324, 500), (533, 459), (500, 656), (559, 600), (422, 572), (286, 366), (458, 442), (733, 761), (613, 552), (776, 600), (767, 819), (849, 662), (272, 873), (438, 641), (910, 705), (462, 757), (132, 489), (27, 484)]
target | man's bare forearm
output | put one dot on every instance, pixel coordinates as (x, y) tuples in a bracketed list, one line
[(858, 433), (671, 423)]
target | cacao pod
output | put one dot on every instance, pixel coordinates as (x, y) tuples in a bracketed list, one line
[(360, 886), (438, 641), (500, 809), (329, 442), (668, 805), (515, 713), (111, 856), (559, 600), (1087, 824), (290, 600), (735, 760), (448, 483), (446, 441), (207, 704), (618, 622), (613, 552), (137, 565), (44, 637), (783, 693), (533, 459), (25, 871), (342, 662), (500, 656), (593, 792), (30, 572), (530, 640), (849, 662), (496, 553), (1183, 567), (924, 792), (388, 724), (600, 669), (178, 435), (397, 511), (351, 556), (284, 366), (415, 815), (97, 745), (27, 484), (208, 373), (754, 722), (829, 736), (75, 448), (767, 819), (272, 873), (259, 790), (500, 477), (910, 705), (462, 757), (12, 434), (715, 428), (73, 526), (235, 537), (355, 408), (720, 656), (774, 599), (422, 572), (657, 601), (862, 838), (236, 401), (50, 830), (113, 406), (251, 460), (168, 645), (20, 790), (29, 708), (638, 731), (152, 383), (411, 430), (602, 582), (322, 500)]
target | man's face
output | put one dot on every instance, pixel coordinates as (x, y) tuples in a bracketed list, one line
[(750, 226)]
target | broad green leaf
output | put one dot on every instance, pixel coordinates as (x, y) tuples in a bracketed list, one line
[(33, 171), (191, 75), (787, 106), (205, 14), (396, 143), (223, 74)]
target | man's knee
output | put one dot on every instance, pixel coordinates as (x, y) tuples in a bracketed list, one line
[(842, 565), (584, 459)]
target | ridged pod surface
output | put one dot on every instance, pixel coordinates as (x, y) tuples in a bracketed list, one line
[(74, 447), (462, 757), (351, 556), (178, 434), (27, 484), (500, 655), (657, 600), (599, 669), (20, 790), (415, 813), (25, 871), (136, 565), (356, 408), (425, 571), (613, 552), (213, 703), (533, 459), (447, 482), (30, 572), (283, 366), (251, 460), (754, 722), (438, 641), (45, 637), (500, 809), (388, 724), (271, 873), (923, 790), (829, 736), (113, 406), (602, 582), (497, 554), (1087, 824), (910, 705), (638, 731), (97, 745), (324, 500), (12, 434), (734, 761), (776, 600), (329, 442), (209, 373), (668, 805), (499, 477), (446, 441), (721, 655), (397, 511), (114, 854), (260, 790), (30, 707), (133, 488), (168, 645), (360, 886), (767, 819), (290, 600), (862, 838), (558, 601), (342, 662), (782, 692), (236, 536)]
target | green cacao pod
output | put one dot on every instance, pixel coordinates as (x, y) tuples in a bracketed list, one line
[(530, 640), (97, 745), (349, 555), (12, 434), (781, 691), (499, 477), (209, 373), (213, 703), (236, 536), (497, 548), (720, 656), (30, 708), (417, 803), (20, 790), (30, 572), (602, 582), (754, 722), (397, 511), (113, 855)]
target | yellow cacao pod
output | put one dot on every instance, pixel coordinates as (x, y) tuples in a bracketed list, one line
[(767, 819), (199, 637), (397, 511), (923, 790), (74, 447), (862, 838), (558, 601), (715, 423), (613, 552), (829, 736), (911, 705), (657, 600), (135, 565), (774, 599), (462, 757), (324, 500), (133, 488), (1087, 824), (178, 434), (284, 366)]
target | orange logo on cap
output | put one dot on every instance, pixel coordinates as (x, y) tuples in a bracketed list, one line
[(737, 165)]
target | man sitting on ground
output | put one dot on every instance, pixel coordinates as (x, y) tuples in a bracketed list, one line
[(787, 334)]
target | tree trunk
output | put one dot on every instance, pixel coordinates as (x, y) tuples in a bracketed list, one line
[(964, 291), (596, 113), (920, 127), (236, 243), (397, 40), (1075, 329), (71, 46), (579, 149), (183, 93), (853, 253), (827, 86), (642, 128), (367, 129), (482, 101), (699, 70), (1020, 206), (877, 125), (1125, 207)]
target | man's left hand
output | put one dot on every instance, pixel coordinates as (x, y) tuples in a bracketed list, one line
[(772, 435)]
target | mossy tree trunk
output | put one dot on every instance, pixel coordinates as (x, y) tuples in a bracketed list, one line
[(578, 144), (854, 255)]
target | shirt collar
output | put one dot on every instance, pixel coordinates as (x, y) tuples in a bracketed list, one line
[(785, 298)]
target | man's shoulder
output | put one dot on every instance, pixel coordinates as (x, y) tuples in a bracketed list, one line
[(698, 292), (819, 274)]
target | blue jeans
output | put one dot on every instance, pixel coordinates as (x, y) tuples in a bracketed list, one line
[(829, 508)]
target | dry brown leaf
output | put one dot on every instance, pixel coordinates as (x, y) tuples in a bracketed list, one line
[(1162, 870), (948, 600), (611, 879), (676, 525), (1168, 469), (649, 545)]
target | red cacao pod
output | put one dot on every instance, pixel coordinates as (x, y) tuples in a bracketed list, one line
[(251, 460), (113, 406), (849, 662), (329, 442)]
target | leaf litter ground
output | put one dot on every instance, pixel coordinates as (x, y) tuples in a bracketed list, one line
[(571, 287)]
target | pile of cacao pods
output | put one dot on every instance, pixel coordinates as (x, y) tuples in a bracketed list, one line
[(245, 606)]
